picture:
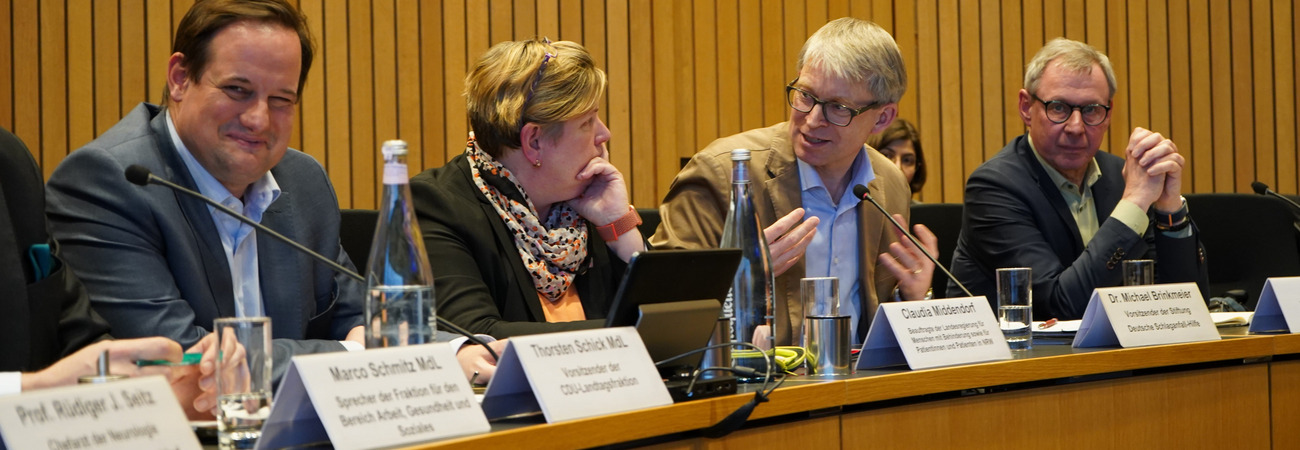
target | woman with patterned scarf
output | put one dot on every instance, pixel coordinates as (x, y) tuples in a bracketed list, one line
[(529, 230)]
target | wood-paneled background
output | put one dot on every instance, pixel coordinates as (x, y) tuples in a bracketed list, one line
[(1217, 76)]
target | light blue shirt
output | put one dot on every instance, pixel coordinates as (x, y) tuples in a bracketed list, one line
[(834, 248), (237, 238)]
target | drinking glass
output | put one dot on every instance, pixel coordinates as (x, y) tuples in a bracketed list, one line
[(243, 380), (1015, 306)]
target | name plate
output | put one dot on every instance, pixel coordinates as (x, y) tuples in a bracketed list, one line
[(377, 398), (1136, 316), (1279, 307), (128, 414), (575, 374), (933, 333)]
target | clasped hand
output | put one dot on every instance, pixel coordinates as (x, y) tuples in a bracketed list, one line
[(1153, 171)]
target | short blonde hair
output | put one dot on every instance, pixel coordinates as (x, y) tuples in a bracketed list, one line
[(1073, 56), (537, 81), (859, 51)]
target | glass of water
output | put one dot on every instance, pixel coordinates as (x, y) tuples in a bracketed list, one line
[(243, 380), (1139, 272), (1015, 306)]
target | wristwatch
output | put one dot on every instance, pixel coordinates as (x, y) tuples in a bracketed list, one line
[(898, 294), (613, 230), (1173, 221)]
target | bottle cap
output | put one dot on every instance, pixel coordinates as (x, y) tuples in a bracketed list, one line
[(394, 147), (740, 154)]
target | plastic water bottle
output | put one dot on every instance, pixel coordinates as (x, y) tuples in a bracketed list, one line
[(750, 300), (399, 284)]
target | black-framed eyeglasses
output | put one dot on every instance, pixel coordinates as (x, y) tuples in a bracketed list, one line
[(1059, 112), (833, 112)]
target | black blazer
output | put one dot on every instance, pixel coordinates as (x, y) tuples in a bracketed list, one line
[(479, 281), (1015, 217), (42, 320)]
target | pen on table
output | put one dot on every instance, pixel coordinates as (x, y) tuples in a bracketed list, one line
[(188, 360), (1048, 324)]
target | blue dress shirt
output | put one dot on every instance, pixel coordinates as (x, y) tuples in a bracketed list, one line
[(834, 248), (237, 238)]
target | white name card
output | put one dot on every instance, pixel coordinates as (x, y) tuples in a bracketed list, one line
[(1136, 316), (129, 414), (933, 333), (1279, 306), (377, 398), (575, 374)]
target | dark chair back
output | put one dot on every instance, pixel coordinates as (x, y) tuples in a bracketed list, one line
[(356, 231), (944, 219), (649, 221), (1248, 238)]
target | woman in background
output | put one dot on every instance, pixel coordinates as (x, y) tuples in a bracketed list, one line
[(901, 143), (528, 230)]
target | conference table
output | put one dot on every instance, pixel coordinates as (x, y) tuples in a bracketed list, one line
[(1239, 392)]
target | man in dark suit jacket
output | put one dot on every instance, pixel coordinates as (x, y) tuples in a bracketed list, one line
[(49, 335), (1050, 201), (158, 263)]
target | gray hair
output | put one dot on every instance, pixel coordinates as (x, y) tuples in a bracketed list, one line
[(1073, 56), (859, 51)]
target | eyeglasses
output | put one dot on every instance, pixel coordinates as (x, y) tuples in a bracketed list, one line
[(835, 113), (1059, 111)]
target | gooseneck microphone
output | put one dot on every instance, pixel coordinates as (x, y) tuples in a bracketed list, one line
[(1262, 189), (862, 193), (141, 175)]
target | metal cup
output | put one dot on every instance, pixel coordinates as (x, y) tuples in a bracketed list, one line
[(827, 335), (827, 342)]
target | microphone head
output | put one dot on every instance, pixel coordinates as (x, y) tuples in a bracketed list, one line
[(860, 191), (138, 174), (1260, 188)]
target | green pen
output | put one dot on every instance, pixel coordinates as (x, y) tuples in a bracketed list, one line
[(188, 360)]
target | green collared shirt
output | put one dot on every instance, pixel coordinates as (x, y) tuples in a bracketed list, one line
[(1080, 201)]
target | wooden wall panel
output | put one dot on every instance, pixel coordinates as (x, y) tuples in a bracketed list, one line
[(81, 72), (972, 104), (1215, 75), (665, 89), (108, 74), (1117, 39), (6, 69), (1199, 150), (950, 147), (312, 97), (332, 39), (53, 84), (619, 97), (133, 60), (158, 39), (1262, 57), (1180, 68), (1243, 117), (1284, 114)]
